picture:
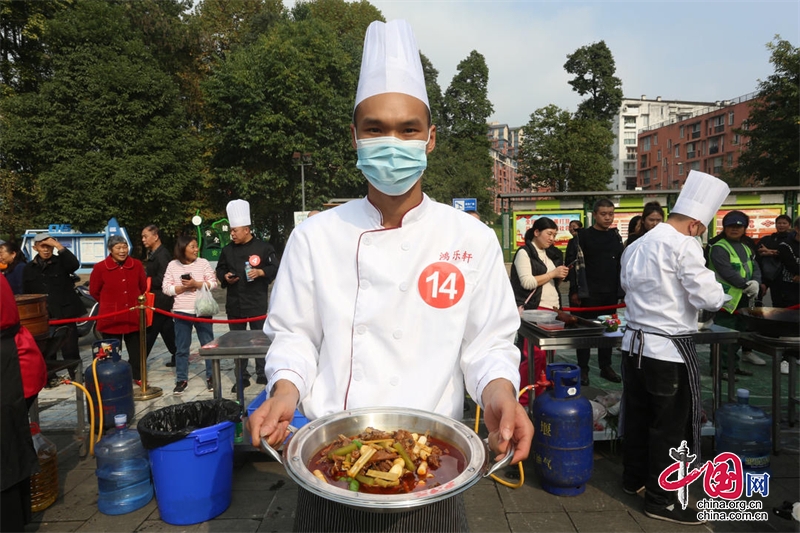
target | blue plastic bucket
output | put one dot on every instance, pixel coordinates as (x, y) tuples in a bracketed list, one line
[(298, 421), (193, 477)]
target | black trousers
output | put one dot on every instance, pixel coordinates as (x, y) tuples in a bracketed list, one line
[(165, 326), (657, 404), (132, 346), (254, 325), (315, 513), (603, 354)]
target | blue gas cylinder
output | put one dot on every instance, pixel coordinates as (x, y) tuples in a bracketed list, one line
[(563, 445), (123, 471), (115, 379), (746, 431)]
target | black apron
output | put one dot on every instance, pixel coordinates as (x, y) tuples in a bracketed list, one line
[(686, 347)]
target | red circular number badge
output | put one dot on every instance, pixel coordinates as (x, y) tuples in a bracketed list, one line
[(254, 260), (441, 285)]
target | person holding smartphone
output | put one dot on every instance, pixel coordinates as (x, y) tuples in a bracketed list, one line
[(184, 276)]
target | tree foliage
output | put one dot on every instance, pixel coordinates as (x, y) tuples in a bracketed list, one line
[(562, 152), (593, 67), (105, 134), (772, 152), (460, 166), (291, 91)]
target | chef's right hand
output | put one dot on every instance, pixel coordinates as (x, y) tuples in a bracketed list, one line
[(273, 416)]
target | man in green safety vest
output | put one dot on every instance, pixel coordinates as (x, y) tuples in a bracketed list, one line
[(736, 269)]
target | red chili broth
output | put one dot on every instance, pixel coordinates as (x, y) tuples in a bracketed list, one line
[(451, 464)]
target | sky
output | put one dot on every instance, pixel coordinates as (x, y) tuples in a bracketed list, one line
[(695, 50)]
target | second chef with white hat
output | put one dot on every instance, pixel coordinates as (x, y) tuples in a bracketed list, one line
[(666, 283), (246, 267), (394, 299)]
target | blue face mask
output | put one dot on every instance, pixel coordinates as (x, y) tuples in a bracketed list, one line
[(390, 164)]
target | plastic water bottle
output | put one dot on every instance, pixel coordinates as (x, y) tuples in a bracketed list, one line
[(123, 471), (746, 431), (247, 269), (44, 483)]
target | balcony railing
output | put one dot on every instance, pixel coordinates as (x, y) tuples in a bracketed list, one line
[(690, 155), (719, 128), (695, 134), (713, 150)]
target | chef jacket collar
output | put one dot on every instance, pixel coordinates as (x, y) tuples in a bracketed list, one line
[(412, 215)]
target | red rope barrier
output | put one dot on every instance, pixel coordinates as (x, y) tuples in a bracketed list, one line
[(599, 308), (210, 320), (61, 321), (167, 313)]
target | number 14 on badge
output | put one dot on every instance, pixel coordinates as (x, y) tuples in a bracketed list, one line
[(441, 285)]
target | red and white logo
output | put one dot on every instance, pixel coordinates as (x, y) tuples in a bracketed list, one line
[(254, 260), (441, 285)]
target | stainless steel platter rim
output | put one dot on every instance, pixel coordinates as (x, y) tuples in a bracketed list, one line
[(475, 456)]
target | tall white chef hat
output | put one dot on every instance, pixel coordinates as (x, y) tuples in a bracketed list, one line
[(390, 62), (238, 213), (701, 196)]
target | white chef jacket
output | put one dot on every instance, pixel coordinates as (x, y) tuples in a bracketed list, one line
[(666, 283), (364, 316)]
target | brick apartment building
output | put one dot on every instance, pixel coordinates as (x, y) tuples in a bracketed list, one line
[(505, 142), (705, 141)]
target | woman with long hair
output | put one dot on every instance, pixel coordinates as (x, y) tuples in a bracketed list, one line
[(652, 215), (185, 275), (14, 259)]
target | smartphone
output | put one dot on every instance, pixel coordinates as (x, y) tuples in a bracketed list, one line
[(186, 276)]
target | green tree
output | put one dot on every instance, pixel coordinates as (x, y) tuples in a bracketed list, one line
[(593, 67), (435, 99), (772, 152), (106, 134), (562, 152), (292, 91), (460, 166)]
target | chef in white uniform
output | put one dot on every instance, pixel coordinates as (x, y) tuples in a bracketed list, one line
[(394, 299), (666, 283)]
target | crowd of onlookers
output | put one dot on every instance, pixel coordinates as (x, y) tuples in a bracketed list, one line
[(747, 269)]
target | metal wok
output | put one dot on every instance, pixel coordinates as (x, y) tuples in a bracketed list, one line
[(772, 321), (312, 437)]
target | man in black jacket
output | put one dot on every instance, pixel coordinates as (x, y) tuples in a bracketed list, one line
[(246, 267), (51, 274), (602, 249), (155, 264)]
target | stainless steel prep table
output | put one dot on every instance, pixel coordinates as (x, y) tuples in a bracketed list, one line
[(236, 345), (715, 337)]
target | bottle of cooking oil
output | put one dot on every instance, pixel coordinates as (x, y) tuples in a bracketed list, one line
[(44, 484)]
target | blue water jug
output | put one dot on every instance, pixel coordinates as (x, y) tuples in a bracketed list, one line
[(746, 431), (123, 471), (116, 382), (563, 444)]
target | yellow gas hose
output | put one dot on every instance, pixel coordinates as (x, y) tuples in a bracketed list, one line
[(99, 400), (91, 413), (521, 468)]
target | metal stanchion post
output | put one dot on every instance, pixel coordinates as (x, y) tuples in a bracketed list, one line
[(144, 393)]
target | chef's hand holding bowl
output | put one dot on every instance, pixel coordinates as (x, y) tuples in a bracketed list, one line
[(506, 420), (272, 417)]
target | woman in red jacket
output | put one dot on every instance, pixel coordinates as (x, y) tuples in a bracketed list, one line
[(116, 283)]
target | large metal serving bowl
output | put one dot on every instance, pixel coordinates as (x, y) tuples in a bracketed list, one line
[(315, 435)]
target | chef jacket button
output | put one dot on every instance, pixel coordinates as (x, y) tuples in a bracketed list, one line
[(397, 334), (357, 375), (365, 284), (361, 329), (406, 246), (367, 240), (404, 286), (394, 381)]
